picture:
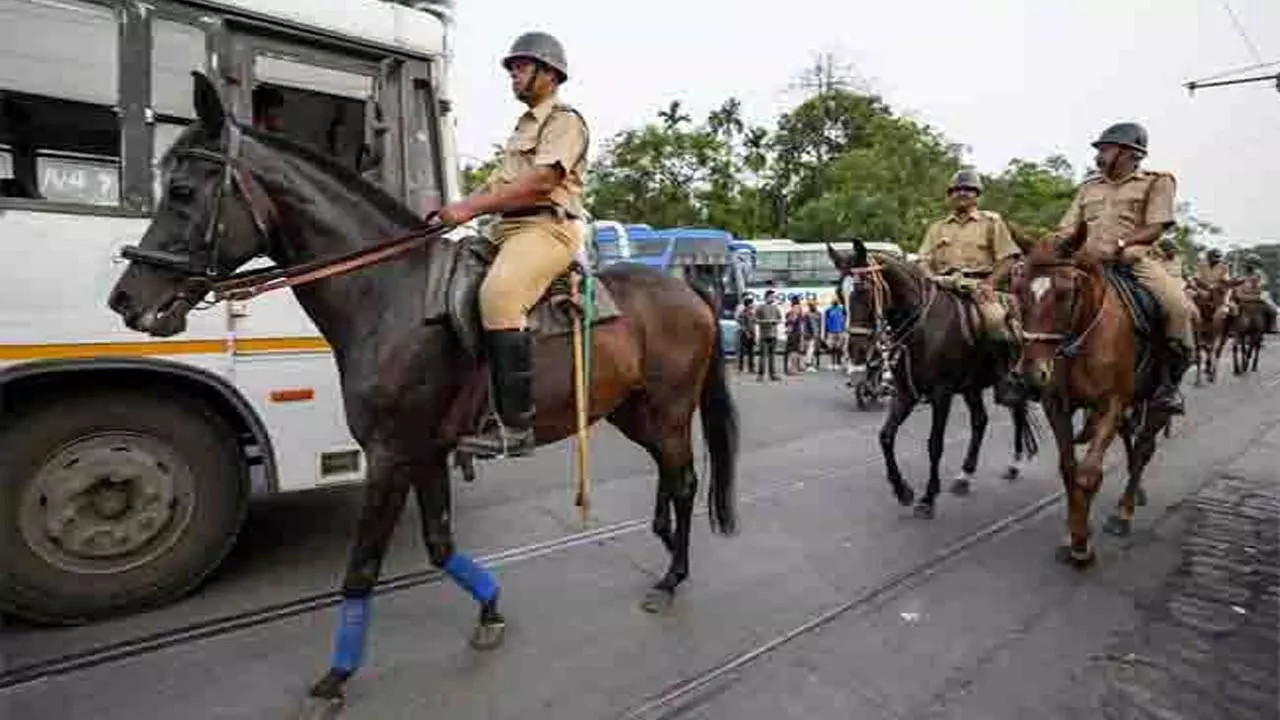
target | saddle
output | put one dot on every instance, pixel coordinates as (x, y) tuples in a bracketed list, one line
[(1143, 307), (453, 289), (1148, 324)]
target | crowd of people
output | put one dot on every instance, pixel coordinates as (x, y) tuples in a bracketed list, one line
[(808, 332)]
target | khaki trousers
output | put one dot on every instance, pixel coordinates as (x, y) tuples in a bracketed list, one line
[(1168, 292), (999, 321), (531, 253)]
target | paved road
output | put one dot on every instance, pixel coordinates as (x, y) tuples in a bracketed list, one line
[(999, 631)]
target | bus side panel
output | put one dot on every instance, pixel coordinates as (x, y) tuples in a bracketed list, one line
[(279, 350), (58, 270)]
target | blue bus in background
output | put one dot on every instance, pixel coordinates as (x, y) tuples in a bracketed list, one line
[(706, 257)]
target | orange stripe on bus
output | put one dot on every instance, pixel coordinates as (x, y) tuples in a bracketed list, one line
[(159, 347), (292, 395)]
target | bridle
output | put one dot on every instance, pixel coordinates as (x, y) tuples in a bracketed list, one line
[(1068, 344), (200, 266)]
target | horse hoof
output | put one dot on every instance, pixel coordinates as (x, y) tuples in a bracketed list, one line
[(905, 495), (1140, 498), (961, 486), (1118, 526), (924, 510), (1067, 556), (1013, 472), (657, 600), (488, 635), (314, 708)]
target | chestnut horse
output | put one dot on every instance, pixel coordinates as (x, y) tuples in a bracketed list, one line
[(1211, 328), (1083, 349), (410, 385)]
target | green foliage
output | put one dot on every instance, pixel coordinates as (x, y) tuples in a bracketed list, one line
[(839, 164)]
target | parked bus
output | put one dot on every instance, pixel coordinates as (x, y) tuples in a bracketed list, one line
[(126, 463), (802, 269), (702, 256)]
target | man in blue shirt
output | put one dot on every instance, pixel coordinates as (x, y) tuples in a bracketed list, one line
[(835, 324)]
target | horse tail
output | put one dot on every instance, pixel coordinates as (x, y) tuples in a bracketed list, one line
[(719, 431), (1026, 428)]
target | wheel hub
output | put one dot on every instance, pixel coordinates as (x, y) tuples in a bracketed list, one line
[(106, 503)]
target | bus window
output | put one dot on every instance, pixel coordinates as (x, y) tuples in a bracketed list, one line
[(176, 50), (59, 66), (318, 106)]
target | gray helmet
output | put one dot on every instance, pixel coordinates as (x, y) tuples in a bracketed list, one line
[(541, 47), (1168, 243), (1125, 134), (1215, 254), (965, 178)]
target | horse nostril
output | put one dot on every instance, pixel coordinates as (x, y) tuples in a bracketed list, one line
[(119, 301)]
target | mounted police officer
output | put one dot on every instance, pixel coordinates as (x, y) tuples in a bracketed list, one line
[(1211, 274), (1251, 290), (970, 251), (537, 193), (1126, 210)]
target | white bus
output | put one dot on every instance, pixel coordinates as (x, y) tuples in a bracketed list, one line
[(126, 463)]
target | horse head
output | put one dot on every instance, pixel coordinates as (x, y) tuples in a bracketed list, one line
[(852, 287), (213, 217), (1056, 293), (232, 194)]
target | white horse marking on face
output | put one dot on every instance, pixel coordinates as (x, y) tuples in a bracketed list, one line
[(1039, 287)]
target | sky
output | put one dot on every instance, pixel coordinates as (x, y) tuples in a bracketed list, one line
[(1007, 78)]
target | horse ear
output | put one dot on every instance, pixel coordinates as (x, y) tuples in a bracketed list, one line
[(859, 253), (837, 259), (208, 104)]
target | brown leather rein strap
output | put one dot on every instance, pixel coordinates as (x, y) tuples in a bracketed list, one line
[(257, 282)]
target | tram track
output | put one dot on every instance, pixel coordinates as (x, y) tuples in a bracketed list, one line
[(107, 654), (686, 695), (671, 700)]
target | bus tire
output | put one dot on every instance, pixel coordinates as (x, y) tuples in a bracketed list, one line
[(114, 502)]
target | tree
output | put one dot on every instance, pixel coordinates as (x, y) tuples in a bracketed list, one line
[(473, 176), (674, 173), (888, 186), (1032, 195)]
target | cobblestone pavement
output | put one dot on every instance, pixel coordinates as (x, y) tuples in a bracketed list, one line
[(1205, 647)]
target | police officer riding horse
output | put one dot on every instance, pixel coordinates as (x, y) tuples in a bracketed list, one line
[(971, 252), (537, 193)]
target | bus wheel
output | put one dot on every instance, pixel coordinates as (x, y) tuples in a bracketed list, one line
[(114, 502)]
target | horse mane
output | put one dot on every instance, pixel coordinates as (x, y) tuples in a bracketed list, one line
[(349, 178)]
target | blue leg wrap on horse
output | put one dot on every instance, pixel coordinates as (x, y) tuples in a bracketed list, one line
[(353, 631), (473, 578)]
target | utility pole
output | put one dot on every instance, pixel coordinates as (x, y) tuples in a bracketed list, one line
[(1197, 84)]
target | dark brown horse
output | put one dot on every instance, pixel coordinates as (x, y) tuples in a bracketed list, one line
[(937, 354), (1247, 329), (1211, 328), (1083, 350), (410, 385)]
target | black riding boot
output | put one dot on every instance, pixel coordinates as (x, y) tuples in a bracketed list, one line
[(1169, 395), (511, 364)]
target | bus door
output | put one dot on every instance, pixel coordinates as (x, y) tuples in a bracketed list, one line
[(346, 105)]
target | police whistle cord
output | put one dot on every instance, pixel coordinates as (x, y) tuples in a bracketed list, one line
[(243, 286)]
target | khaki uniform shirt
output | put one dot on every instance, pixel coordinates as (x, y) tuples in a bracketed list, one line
[(1113, 209), (1212, 276), (1250, 289), (548, 133), (974, 242)]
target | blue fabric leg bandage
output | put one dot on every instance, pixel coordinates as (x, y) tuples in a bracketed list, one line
[(353, 632), (473, 578)]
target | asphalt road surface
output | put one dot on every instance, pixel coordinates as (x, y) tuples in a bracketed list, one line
[(832, 602)]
